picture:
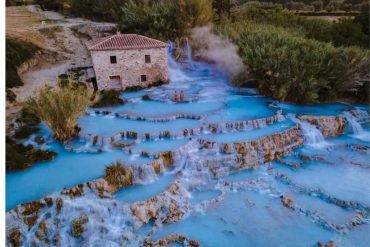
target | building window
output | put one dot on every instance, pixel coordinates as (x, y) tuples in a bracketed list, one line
[(143, 78), (113, 59), (147, 58)]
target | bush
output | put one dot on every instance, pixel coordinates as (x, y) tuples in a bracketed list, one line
[(10, 96), (27, 122), (27, 117), (60, 108), (56, 5), (108, 98), (289, 67), (17, 52), (165, 19), (107, 10), (118, 175), (344, 32), (19, 156), (25, 131)]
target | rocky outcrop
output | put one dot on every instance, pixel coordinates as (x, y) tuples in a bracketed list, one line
[(41, 231), (29, 211), (287, 201), (265, 149), (58, 204), (15, 238), (330, 244), (75, 191), (214, 128), (166, 207), (174, 238), (328, 125), (77, 225)]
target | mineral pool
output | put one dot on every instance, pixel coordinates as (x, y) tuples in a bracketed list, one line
[(240, 208)]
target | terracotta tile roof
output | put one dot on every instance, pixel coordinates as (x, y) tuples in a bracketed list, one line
[(125, 42)]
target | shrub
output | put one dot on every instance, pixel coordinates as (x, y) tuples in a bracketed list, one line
[(17, 52), (10, 96), (60, 108), (25, 131), (27, 124), (19, 156), (108, 98), (165, 19), (289, 67), (344, 32), (56, 5), (118, 175), (107, 10), (27, 117)]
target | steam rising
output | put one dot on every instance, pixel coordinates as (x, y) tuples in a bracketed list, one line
[(218, 50)]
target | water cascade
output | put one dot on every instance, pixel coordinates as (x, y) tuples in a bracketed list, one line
[(356, 128), (210, 168), (189, 55), (312, 135), (175, 72)]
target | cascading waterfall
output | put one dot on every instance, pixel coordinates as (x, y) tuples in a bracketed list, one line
[(175, 72), (209, 175), (356, 128), (313, 136), (188, 52)]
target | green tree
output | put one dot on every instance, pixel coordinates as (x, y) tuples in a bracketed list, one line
[(165, 19)]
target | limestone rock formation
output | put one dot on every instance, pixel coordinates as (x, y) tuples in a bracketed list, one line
[(168, 206), (174, 238), (77, 225), (328, 125)]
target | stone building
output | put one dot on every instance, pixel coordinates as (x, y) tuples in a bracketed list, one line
[(128, 60)]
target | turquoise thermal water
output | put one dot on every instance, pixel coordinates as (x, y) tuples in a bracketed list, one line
[(248, 215)]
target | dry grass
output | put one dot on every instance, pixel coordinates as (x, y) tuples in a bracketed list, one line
[(50, 32), (61, 107), (118, 175), (20, 23)]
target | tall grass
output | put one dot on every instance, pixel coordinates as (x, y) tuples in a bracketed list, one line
[(118, 175), (59, 108)]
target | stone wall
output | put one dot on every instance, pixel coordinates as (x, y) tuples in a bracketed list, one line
[(130, 66)]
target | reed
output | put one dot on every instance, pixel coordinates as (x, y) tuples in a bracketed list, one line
[(59, 108), (118, 175)]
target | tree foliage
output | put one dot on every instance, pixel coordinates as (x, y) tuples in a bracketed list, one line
[(165, 19)]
